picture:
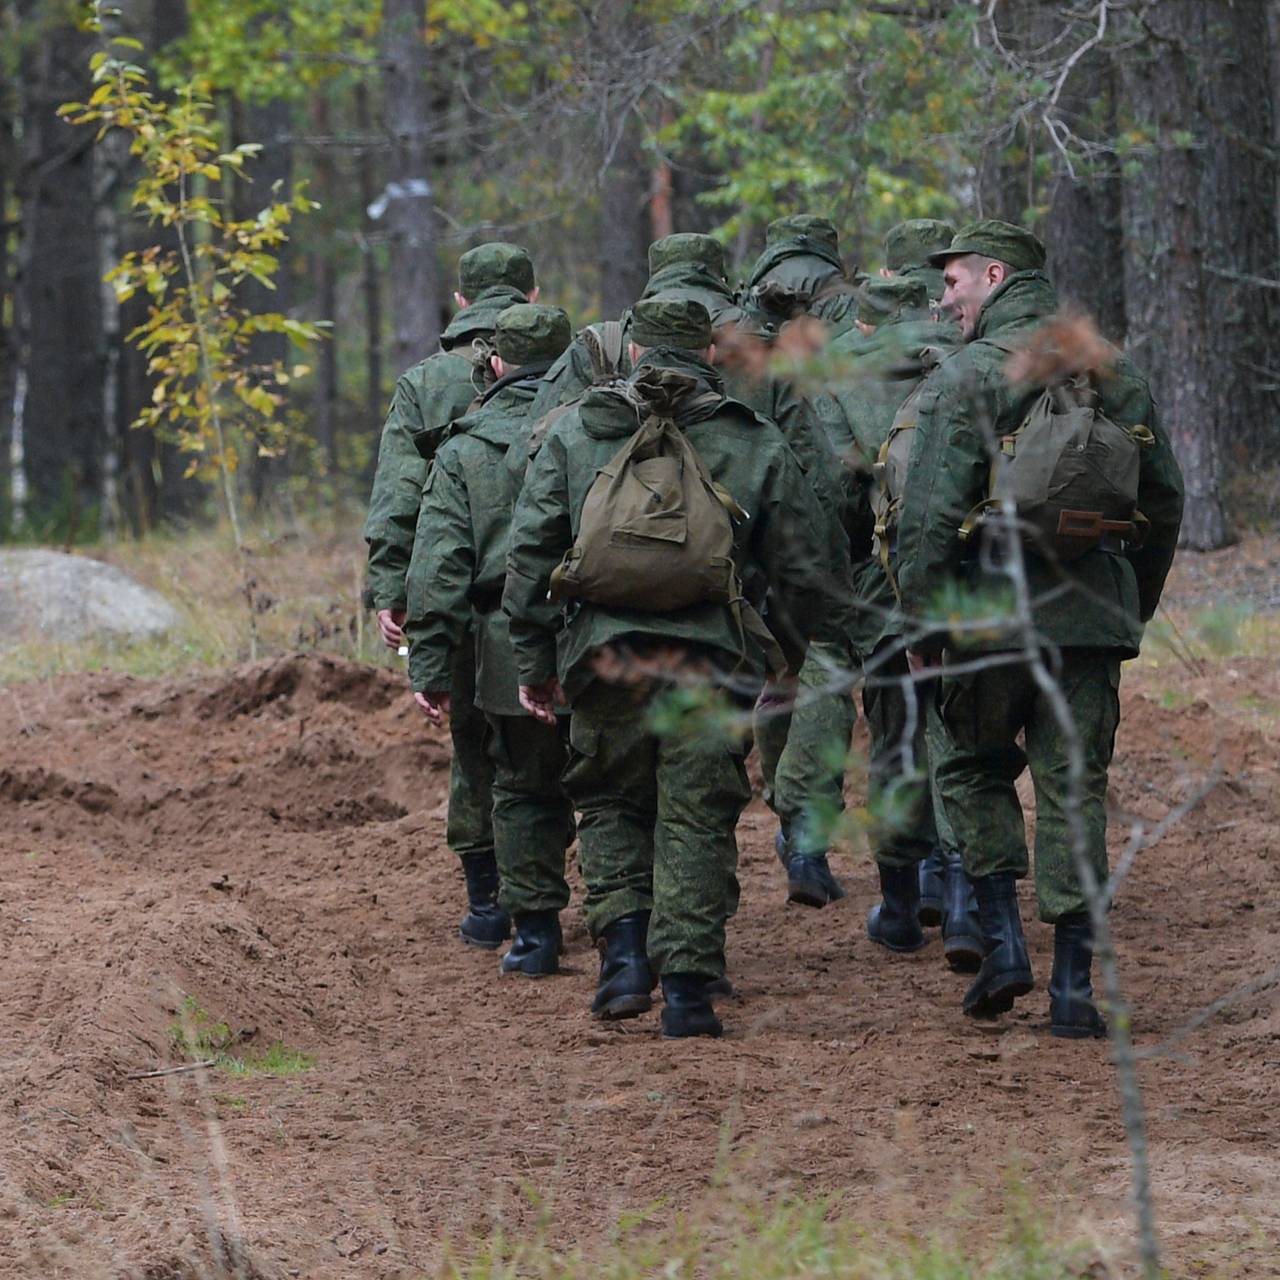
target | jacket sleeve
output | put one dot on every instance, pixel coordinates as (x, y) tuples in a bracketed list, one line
[(947, 476), (394, 502), (541, 533), (1160, 499), (440, 576), (814, 597)]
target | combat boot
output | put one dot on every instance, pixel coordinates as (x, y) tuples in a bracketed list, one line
[(536, 948), (687, 1011), (961, 932), (1005, 973), (1072, 1013), (485, 924), (781, 847), (626, 981), (933, 888), (810, 882), (894, 922)]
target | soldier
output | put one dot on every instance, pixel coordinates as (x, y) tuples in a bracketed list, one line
[(1088, 616), (456, 575), (658, 813), (802, 740), (799, 272), (880, 366), (427, 399), (906, 253)]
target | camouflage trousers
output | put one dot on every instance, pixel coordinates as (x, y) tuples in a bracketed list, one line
[(802, 754), (532, 816), (908, 820), (469, 827), (978, 761), (657, 823)]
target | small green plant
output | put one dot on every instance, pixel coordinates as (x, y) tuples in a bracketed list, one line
[(196, 1034), (1220, 628)]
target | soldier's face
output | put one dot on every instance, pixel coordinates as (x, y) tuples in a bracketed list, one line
[(969, 281)]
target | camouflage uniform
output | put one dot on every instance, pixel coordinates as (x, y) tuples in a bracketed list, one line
[(427, 399), (455, 586), (877, 373), (658, 814), (799, 272), (1089, 614)]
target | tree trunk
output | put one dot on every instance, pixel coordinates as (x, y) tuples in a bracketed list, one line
[(58, 437), (410, 211), (1198, 206), (325, 275), (371, 282), (8, 349), (624, 170), (1083, 232)]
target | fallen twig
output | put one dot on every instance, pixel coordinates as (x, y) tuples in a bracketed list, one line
[(171, 1071)]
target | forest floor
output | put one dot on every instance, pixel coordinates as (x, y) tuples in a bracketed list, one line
[(248, 864)]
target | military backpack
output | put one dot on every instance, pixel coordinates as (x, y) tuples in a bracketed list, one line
[(656, 532)]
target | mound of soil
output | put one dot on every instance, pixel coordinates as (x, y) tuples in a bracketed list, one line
[(263, 852)]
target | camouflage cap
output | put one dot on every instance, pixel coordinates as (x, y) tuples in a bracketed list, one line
[(671, 322), (496, 263), (687, 247), (1015, 246), (804, 226), (910, 243), (530, 332), (880, 301)]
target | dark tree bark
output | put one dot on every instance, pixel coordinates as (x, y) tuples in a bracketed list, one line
[(410, 212), (625, 182), (60, 307), (325, 276), (371, 280), (1084, 230), (8, 349), (1199, 213)]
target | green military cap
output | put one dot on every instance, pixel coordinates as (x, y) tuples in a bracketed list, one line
[(687, 247), (496, 263), (530, 332), (804, 226), (910, 243), (1015, 246), (880, 301), (671, 322)]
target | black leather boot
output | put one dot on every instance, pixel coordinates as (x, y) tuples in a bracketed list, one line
[(781, 847), (1072, 1013), (810, 882), (688, 1010), (1005, 973), (626, 980), (894, 922), (933, 888), (485, 924), (961, 932), (720, 988), (535, 951)]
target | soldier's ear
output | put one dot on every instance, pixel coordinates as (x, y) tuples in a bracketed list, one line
[(709, 355), (498, 365), (533, 293), (886, 274), (461, 301)]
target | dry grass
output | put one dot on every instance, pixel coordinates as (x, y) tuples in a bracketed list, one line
[(305, 585)]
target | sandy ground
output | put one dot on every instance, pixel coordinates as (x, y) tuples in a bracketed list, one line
[(269, 843)]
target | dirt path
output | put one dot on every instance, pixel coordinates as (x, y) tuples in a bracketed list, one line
[(269, 843)]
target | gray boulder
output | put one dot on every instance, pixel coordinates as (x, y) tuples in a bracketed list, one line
[(46, 593)]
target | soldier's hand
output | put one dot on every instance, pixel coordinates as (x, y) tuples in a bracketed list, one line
[(434, 704), (924, 663), (541, 700), (390, 622)]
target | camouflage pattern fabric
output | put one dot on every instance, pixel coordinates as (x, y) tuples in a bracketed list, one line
[(469, 826), (656, 831), (978, 761)]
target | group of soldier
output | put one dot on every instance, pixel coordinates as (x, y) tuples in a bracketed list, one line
[(581, 712)]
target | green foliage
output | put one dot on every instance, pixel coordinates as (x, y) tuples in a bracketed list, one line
[(971, 617), (208, 397)]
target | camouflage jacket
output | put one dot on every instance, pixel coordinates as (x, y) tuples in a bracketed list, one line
[(876, 374), (776, 540), (1099, 601), (427, 398), (459, 560)]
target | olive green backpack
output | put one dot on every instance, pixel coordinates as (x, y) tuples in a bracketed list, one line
[(1070, 473), (656, 532)]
